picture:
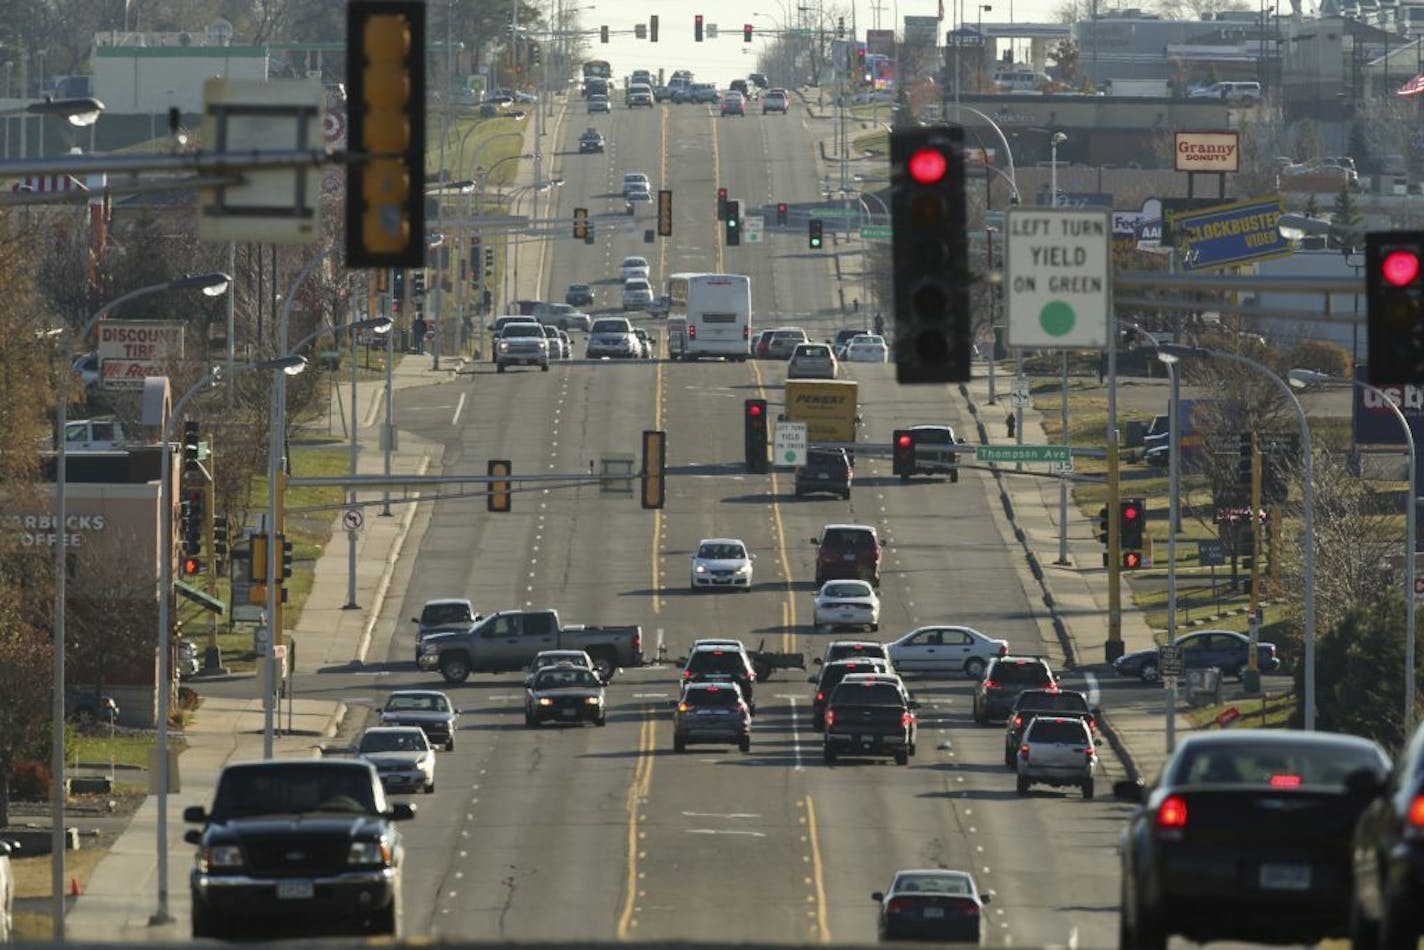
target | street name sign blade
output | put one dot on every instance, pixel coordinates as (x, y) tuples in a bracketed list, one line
[(1057, 274), (790, 443), (875, 232), (1057, 454)]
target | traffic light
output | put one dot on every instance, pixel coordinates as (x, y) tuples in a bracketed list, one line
[(1131, 560), (286, 565), (840, 28), (603, 34), (754, 424), (398, 285), (781, 214), (193, 520), (1103, 525), (930, 254), (497, 497), (580, 224), (1132, 518), (385, 87), (588, 238), (734, 223), (721, 204), (665, 213), (697, 28), (475, 260), (193, 567), (419, 284), (746, 33), (654, 468), (220, 542), (191, 468), (1394, 289), (902, 444), (813, 234), (536, 55), (640, 31), (653, 28)]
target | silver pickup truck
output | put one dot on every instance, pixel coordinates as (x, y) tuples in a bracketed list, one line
[(507, 640)]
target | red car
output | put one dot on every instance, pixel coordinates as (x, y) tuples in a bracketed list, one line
[(761, 345), (848, 552)]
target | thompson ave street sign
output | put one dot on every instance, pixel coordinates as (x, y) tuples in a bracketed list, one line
[(1056, 278), (1061, 454)]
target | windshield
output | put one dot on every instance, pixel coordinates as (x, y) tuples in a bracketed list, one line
[(405, 740), (565, 679), (290, 788), (1275, 765), (616, 325), (435, 614), (847, 589), (723, 552), (430, 702), (523, 329)]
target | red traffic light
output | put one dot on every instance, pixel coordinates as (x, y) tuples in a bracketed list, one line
[(721, 192), (927, 166), (1131, 512), (1132, 560), (191, 567), (754, 410), (904, 440), (1400, 268), (747, 33), (781, 207)]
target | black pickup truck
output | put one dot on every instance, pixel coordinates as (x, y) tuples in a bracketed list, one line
[(1030, 702), (870, 716), (506, 641), (297, 841)]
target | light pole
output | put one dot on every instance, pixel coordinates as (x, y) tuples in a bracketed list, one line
[(380, 325), (1304, 377), (212, 285), (1056, 140), (1172, 350), (979, 29), (287, 364), (1174, 475)]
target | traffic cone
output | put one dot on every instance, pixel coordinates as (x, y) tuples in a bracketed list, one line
[(74, 887)]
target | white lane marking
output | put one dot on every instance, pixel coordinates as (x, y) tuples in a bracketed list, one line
[(796, 735), (459, 408), (502, 699), (651, 695), (1093, 695), (1073, 939), (713, 814), (719, 831)]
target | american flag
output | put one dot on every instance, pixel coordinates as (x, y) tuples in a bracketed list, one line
[(1412, 88)]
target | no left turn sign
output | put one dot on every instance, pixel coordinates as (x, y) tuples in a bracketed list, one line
[(352, 519)]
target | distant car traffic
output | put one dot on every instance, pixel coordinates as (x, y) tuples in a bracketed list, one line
[(812, 361), (776, 101), (1057, 751), (848, 551), (579, 295), (712, 662), (832, 672), (634, 267), (547, 658), (1226, 650), (612, 337), (867, 348), (733, 103), (637, 295), (591, 141), (402, 756), (598, 103)]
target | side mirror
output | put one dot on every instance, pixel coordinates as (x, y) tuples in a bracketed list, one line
[(812, 679), (1129, 791), (401, 811), (195, 814), (193, 836), (817, 661), (986, 897), (415, 620), (1098, 743), (877, 896)]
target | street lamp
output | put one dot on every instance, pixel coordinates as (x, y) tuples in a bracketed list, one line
[(1174, 475), (1308, 490), (979, 30), (1057, 139), (212, 285), (380, 325), (1300, 378), (289, 365)]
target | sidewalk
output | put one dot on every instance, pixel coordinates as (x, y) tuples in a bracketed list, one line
[(1075, 595), (122, 892)]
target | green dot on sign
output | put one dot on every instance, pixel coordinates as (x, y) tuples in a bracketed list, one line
[(1057, 318)]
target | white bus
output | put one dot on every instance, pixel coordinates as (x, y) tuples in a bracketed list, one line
[(718, 308)]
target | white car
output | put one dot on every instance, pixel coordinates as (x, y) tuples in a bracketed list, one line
[(636, 181), (722, 562), (612, 337), (946, 649), (402, 756), (7, 889), (634, 267), (847, 604), (867, 348), (547, 658), (637, 295)]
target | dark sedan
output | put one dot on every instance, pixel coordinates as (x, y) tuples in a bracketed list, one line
[(932, 904), (429, 709), (1224, 649), (1246, 837), (1389, 858), (564, 694)]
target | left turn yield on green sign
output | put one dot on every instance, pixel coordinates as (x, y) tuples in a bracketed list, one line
[(1057, 278)]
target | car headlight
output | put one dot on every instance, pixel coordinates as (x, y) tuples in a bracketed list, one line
[(744, 569), (701, 568), (503, 345), (369, 852), (545, 701), (593, 701), (222, 856)]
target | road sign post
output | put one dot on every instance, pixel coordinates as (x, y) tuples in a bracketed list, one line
[(1057, 278)]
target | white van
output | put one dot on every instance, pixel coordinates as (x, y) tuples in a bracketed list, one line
[(1235, 93), (1019, 79)]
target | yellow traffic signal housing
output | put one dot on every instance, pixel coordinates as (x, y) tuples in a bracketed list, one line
[(498, 497), (665, 213), (654, 468), (385, 183)]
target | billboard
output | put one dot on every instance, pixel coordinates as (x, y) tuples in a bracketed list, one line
[(130, 350), (880, 43), (921, 31), (1375, 424), (1206, 152), (1224, 235)]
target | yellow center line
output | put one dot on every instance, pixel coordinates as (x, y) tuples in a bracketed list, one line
[(788, 635), (637, 794), (817, 871)]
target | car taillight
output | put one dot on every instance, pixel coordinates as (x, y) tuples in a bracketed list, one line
[(1415, 816), (682, 707), (687, 674), (741, 706), (1090, 752), (990, 684), (1023, 751), (1049, 685), (1285, 781), (905, 719), (1004, 650), (1092, 725), (637, 639), (1018, 722), (820, 696), (898, 905), (965, 906), (691, 332), (1172, 815), (830, 718)]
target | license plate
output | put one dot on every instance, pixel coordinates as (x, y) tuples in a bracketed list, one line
[(1285, 877), (867, 740), (568, 713), (847, 557), (823, 475), (934, 911), (295, 889)]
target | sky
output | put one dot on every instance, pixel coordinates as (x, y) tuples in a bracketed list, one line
[(728, 57)]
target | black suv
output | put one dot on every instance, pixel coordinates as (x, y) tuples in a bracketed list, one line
[(830, 677), (297, 840), (826, 470), (711, 663), (1062, 703), (870, 716), (1004, 679)]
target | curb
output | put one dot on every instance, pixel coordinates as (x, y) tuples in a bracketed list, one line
[(384, 585)]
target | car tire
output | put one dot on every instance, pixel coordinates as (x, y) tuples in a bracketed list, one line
[(454, 668), (954, 478), (745, 743), (902, 758), (449, 745), (1010, 756), (529, 719), (387, 922), (499, 367), (601, 720), (1088, 790), (1144, 933), (544, 367), (1364, 933), (1398, 927), (845, 495), (604, 667), (206, 923), (679, 744), (974, 668), (1021, 785), (904, 479), (875, 628), (828, 755), (430, 789)]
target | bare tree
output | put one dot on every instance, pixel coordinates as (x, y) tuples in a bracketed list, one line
[(113, 615)]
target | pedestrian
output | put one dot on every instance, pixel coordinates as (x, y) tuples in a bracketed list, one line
[(879, 325), (855, 304), (1010, 422), (417, 329)]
